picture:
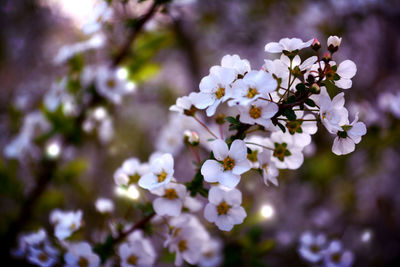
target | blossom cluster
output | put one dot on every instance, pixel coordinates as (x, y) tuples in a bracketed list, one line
[(316, 249)]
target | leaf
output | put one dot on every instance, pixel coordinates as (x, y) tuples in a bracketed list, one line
[(196, 185), (232, 120), (280, 125), (289, 114), (310, 102)]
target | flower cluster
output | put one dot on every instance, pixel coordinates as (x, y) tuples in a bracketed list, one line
[(316, 249)]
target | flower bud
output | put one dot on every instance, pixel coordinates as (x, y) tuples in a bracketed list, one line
[(334, 43), (191, 138), (327, 57), (316, 45), (315, 89)]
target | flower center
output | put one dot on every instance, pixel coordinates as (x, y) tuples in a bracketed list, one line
[(72, 226), (134, 178), (182, 245), (83, 262), (281, 151), (255, 112), (228, 164), (265, 167), (220, 92), (252, 92), (162, 176), (132, 260), (222, 208), (170, 193), (314, 248), (336, 257), (253, 156), (293, 126), (111, 83), (43, 257)]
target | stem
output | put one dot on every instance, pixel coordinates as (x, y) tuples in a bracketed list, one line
[(134, 227), (205, 127), (135, 31), (221, 133), (251, 143), (195, 153)]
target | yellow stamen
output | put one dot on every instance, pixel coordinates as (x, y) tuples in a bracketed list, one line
[(255, 112), (162, 176), (222, 208), (252, 92), (220, 92), (170, 193), (228, 164)]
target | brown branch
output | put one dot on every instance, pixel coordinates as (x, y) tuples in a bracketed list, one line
[(140, 22), (134, 227)]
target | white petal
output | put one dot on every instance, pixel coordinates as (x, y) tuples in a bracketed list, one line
[(237, 214), (216, 195), (229, 179), (344, 83), (224, 223), (233, 197), (148, 181), (238, 150), (347, 69), (210, 212), (273, 47), (202, 100), (170, 207), (241, 167), (220, 149), (211, 170), (342, 146)]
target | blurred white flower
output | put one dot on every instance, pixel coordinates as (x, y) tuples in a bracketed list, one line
[(138, 251), (224, 208), (171, 199), (335, 256), (104, 205), (101, 13), (312, 247), (287, 44), (211, 254), (81, 254), (160, 173), (241, 66), (65, 222)]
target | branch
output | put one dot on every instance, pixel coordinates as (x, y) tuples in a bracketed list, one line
[(141, 21), (134, 227)]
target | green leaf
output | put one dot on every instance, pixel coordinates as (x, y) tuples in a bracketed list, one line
[(196, 185), (232, 120), (310, 102), (289, 114)]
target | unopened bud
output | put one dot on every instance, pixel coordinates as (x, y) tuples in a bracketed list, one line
[(315, 89), (316, 45), (333, 43), (327, 57), (191, 138)]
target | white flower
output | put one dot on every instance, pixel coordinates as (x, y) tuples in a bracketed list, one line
[(258, 112), (34, 124), (161, 172), (346, 70), (214, 89), (241, 66), (171, 201), (211, 255), (287, 44), (101, 13), (184, 105), (229, 163), (346, 139), (269, 170), (81, 254), (287, 151), (192, 204), (255, 150), (224, 208), (390, 102), (111, 85), (187, 239), (333, 113), (104, 205), (334, 41), (336, 257), (138, 251), (68, 51), (312, 246), (33, 239), (130, 172), (255, 84), (66, 222), (44, 256)]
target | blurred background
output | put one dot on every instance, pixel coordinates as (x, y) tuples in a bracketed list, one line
[(354, 198)]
